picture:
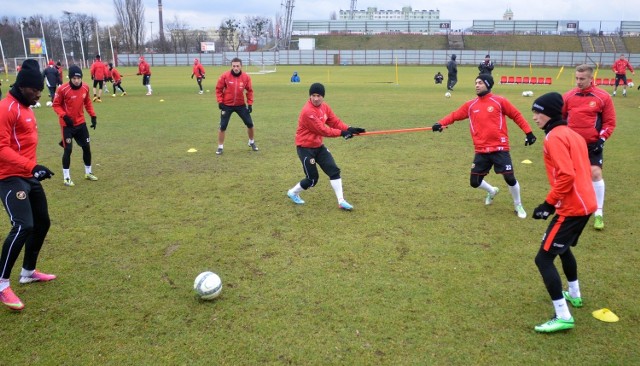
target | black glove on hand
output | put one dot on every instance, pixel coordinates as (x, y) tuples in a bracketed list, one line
[(192, 76), (250, 108), (221, 106), (530, 139), (597, 146), (544, 211), (436, 128), (41, 172), (346, 134), (356, 130), (202, 76), (94, 122), (68, 120)]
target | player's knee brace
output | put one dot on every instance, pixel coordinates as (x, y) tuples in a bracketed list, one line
[(475, 180), (510, 179)]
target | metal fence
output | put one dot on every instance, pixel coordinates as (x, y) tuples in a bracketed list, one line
[(380, 57)]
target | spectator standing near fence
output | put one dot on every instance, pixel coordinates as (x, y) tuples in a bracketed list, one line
[(486, 66), (452, 73), (620, 68)]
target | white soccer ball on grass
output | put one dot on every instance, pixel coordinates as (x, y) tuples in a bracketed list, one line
[(49, 104), (447, 95), (208, 285)]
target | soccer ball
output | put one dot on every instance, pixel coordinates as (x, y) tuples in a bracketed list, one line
[(631, 84), (447, 95), (49, 104), (527, 93), (38, 105), (207, 285)]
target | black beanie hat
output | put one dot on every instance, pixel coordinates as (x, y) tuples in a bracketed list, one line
[(487, 79), (453, 57), (29, 75), (75, 70), (549, 104), (316, 88)]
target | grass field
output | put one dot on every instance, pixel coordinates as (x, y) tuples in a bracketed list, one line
[(420, 273)]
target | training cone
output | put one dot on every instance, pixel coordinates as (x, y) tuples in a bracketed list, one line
[(526, 161), (605, 315), (192, 150), (162, 100)]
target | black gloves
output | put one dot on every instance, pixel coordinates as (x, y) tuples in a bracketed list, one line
[(436, 127), (202, 76), (68, 120), (544, 211), (192, 76), (597, 146), (41, 172), (94, 122), (355, 130), (250, 108), (221, 106), (530, 139), (346, 134)]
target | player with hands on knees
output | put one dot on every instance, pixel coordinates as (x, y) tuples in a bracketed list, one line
[(572, 198), (316, 121), (69, 104), (487, 124), (21, 189)]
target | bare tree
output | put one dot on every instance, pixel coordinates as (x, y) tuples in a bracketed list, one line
[(130, 16), (178, 32), (229, 32), (257, 27)]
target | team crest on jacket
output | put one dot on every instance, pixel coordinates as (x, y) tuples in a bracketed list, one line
[(312, 161), (21, 195), (592, 104), (490, 109), (67, 140)]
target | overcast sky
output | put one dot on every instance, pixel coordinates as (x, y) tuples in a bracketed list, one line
[(209, 13)]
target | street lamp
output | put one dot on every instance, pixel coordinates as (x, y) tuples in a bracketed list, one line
[(151, 36), (24, 44)]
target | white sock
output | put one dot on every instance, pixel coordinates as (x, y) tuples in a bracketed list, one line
[(337, 187), (487, 187), (599, 188), (66, 173), (4, 283), (87, 169), (574, 289), (220, 146), (296, 189), (26, 273), (562, 310), (515, 193), (149, 88), (251, 141)]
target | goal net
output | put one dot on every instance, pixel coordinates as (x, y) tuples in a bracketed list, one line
[(260, 67)]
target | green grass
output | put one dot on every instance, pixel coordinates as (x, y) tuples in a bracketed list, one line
[(421, 272)]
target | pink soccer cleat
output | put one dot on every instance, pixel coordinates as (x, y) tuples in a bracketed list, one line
[(37, 277)]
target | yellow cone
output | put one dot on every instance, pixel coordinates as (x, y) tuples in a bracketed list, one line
[(526, 161), (605, 315), (192, 150), (162, 100)]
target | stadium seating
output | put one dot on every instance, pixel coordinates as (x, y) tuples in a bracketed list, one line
[(503, 80), (547, 81), (604, 82), (534, 80), (518, 79), (598, 81), (525, 80), (510, 80), (530, 80)]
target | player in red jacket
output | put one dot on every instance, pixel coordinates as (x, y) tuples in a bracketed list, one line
[(117, 80), (22, 193), (145, 71), (620, 69), (69, 104), (488, 126), (571, 198), (234, 93), (98, 75), (590, 112), (198, 72), (315, 122)]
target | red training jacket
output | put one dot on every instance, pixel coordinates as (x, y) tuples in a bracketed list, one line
[(115, 74), (70, 102), (98, 70), (487, 122), (314, 123), (569, 172), (230, 89), (143, 68), (589, 112), (198, 70), (18, 139), (620, 67)]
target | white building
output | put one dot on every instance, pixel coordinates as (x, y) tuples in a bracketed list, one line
[(372, 13)]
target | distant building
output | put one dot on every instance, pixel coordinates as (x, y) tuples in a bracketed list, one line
[(372, 13), (508, 15)]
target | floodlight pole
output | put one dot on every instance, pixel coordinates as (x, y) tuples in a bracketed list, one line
[(24, 44)]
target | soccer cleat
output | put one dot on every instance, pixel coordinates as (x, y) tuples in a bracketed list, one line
[(10, 299), (94, 99), (614, 94), (68, 182), (200, 92), (521, 212), (149, 93), (90, 176), (576, 302), (295, 198), (554, 325), (99, 100), (490, 196), (219, 151), (123, 94), (598, 224), (37, 277), (345, 205), (253, 146)]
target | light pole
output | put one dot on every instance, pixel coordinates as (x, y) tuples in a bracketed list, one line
[(24, 44), (151, 36)]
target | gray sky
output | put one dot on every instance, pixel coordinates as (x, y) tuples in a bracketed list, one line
[(209, 13)]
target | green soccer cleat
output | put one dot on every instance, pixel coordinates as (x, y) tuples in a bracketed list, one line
[(576, 302), (90, 176), (520, 212), (555, 325), (490, 196), (68, 182), (598, 223)]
